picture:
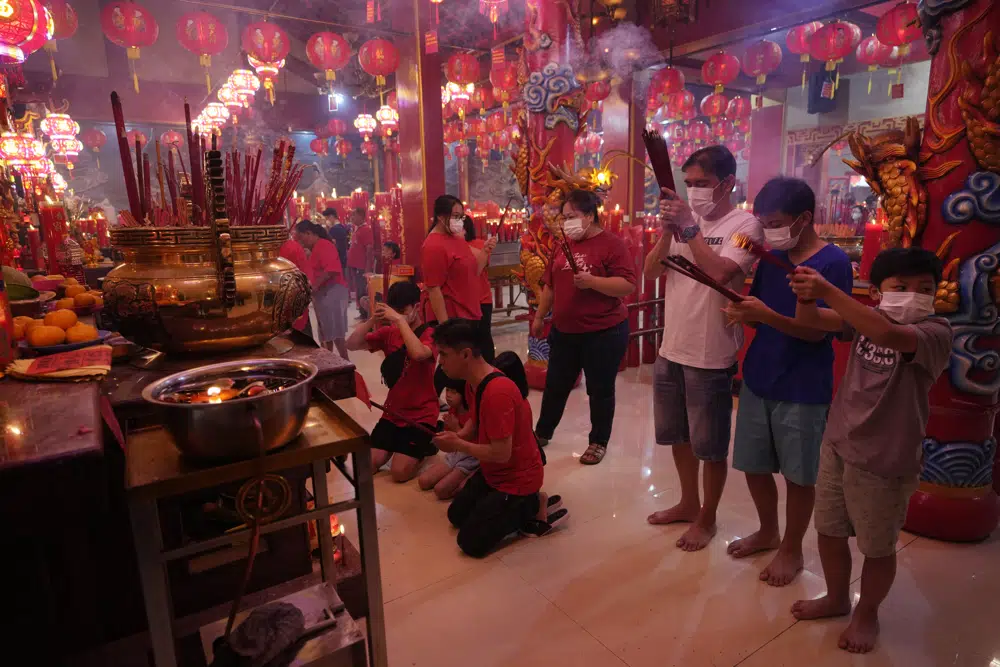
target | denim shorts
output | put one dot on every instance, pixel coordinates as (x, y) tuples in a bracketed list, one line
[(693, 405), (778, 436)]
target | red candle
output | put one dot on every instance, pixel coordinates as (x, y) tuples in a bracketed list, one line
[(872, 247), (35, 246), (53, 224)]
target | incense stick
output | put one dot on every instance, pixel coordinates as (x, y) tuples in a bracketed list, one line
[(159, 176), (672, 262), (744, 242), (125, 152), (409, 422)]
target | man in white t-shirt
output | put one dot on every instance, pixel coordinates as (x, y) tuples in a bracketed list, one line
[(692, 377)]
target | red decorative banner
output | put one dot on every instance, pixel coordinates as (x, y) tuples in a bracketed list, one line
[(431, 41)]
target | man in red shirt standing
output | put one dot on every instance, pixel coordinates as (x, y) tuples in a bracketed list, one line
[(361, 255), (503, 496), (330, 293)]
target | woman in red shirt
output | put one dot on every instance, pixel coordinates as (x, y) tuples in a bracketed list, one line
[(589, 329), (330, 294), (450, 267), (483, 247)]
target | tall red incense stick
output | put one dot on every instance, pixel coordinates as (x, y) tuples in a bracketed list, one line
[(126, 155)]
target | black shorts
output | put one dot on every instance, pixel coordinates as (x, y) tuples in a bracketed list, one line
[(407, 440)]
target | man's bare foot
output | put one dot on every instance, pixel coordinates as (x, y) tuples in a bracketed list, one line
[(677, 514), (753, 543), (824, 607), (697, 537), (783, 568), (860, 635)]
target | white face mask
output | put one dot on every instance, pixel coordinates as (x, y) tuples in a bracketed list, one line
[(907, 307), (780, 238), (702, 200), (573, 229), (456, 226)]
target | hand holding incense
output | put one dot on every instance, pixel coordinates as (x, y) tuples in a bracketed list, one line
[(659, 159), (760, 252), (686, 268)]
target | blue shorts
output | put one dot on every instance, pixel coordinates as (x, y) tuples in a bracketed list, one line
[(462, 461), (779, 436), (693, 405)]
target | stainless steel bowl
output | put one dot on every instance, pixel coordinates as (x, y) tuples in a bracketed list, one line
[(226, 430)]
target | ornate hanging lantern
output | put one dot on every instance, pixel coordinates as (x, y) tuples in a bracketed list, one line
[(172, 139), (503, 76), (388, 118), (594, 143), (461, 150), (205, 36), (596, 92), (495, 123), (231, 100), (738, 107), (320, 147), (714, 105), (131, 26), (501, 141), (43, 35), (22, 151), (336, 127), (698, 132), (482, 99), (329, 52), (24, 19), (832, 43), (61, 131), (680, 103), (760, 59), (722, 129), (580, 145), (666, 81), (343, 148), (266, 45), (378, 57), (720, 70), (492, 9), (65, 24), (483, 151), (899, 27), (136, 135), (94, 139), (245, 83), (462, 68), (676, 133), (797, 41), (871, 52), (365, 124), (215, 114), (369, 149), (460, 97), (475, 128)]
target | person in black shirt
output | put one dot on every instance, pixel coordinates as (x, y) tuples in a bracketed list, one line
[(338, 232)]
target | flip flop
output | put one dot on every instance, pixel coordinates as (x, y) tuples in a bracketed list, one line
[(594, 454)]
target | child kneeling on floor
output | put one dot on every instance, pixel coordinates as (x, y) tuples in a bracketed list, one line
[(503, 497), (870, 457), (396, 329), (449, 475)]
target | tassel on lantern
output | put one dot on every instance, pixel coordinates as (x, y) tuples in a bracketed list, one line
[(206, 62), (51, 48), (804, 59), (133, 55)]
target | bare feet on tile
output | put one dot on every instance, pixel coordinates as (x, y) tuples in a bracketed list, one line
[(783, 568), (824, 607), (860, 635), (676, 514), (753, 543), (697, 537)]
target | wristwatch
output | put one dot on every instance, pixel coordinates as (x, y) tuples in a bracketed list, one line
[(688, 233)]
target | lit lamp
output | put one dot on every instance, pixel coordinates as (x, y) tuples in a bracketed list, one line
[(365, 124), (245, 84), (215, 115), (229, 98), (460, 96), (388, 118), (267, 72)]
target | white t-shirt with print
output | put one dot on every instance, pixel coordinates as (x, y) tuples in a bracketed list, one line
[(696, 332)]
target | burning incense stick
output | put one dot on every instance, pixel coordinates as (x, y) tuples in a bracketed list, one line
[(760, 252), (566, 250), (684, 267), (126, 155)]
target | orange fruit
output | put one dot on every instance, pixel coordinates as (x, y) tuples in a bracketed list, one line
[(65, 303), (23, 320), (80, 332), (84, 300), (56, 276), (32, 324), (38, 278), (73, 290), (62, 318), (98, 302), (95, 292), (18, 331), (44, 336), (71, 281)]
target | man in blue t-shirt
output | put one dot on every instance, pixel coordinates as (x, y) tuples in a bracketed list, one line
[(787, 379)]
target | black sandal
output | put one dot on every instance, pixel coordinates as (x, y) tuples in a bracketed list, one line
[(594, 454)]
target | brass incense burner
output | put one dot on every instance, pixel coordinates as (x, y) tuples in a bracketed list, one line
[(174, 291)]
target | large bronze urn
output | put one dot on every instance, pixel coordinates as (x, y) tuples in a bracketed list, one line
[(171, 294)]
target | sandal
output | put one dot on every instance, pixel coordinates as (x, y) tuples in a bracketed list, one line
[(594, 454)]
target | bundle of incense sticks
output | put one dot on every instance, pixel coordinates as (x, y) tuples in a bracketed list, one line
[(566, 250), (247, 200), (659, 158), (408, 422), (760, 252), (687, 268)]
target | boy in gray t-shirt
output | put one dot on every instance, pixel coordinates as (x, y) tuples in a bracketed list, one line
[(870, 458)]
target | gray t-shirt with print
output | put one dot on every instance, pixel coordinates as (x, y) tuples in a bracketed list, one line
[(879, 416)]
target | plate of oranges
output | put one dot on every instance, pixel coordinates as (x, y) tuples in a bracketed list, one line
[(58, 331), (78, 298)]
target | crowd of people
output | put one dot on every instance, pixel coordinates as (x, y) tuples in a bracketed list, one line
[(850, 460)]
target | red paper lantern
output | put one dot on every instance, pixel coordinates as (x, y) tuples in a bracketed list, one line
[(594, 142), (133, 135), (496, 123), (462, 149), (739, 107), (94, 139), (329, 52), (736, 144), (25, 19), (64, 26), (322, 132), (797, 41), (320, 146), (131, 26), (676, 133), (343, 147), (504, 79), (172, 139), (580, 145), (899, 26), (369, 149), (741, 125), (336, 127), (833, 42), (760, 59), (872, 53), (482, 99), (203, 35), (720, 70), (476, 128), (462, 68), (714, 105), (378, 57), (597, 91), (722, 129), (453, 132), (698, 132), (679, 103), (39, 37), (266, 42), (667, 81)]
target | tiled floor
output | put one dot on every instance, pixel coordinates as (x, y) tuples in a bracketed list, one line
[(609, 589)]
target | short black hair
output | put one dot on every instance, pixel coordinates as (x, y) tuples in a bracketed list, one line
[(458, 333), (510, 365), (304, 227), (402, 294), (715, 160), (394, 247), (905, 262), (470, 229), (319, 230), (456, 385), (791, 196), (331, 212), (585, 202)]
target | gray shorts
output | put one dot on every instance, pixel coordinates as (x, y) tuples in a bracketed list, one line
[(693, 405), (778, 436), (330, 303), (462, 461)]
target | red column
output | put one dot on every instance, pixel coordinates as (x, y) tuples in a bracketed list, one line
[(421, 154), (390, 169), (956, 500), (766, 126)]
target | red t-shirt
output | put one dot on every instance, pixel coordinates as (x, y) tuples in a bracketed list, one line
[(361, 242), (583, 310), (325, 259), (485, 293), (296, 254), (508, 414), (413, 395), (447, 262)]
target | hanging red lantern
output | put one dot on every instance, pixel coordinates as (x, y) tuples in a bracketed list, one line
[(797, 40), (735, 144), (203, 35), (475, 128), (676, 133), (329, 52), (899, 27), (172, 139), (720, 70), (714, 105), (667, 81), (134, 135), (336, 127), (320, 147), (322, 132), (266, 45), (43, 35), (461, 150), (483, 153), (462, 68), (64, 26), (678, 103), (580, 145), (833, 42), (131, 26), (24, 20), (514, 132), (722, 129), (503, 76), (738, 107), (760, 59), (687, 114), (342, 147), (597, 91), (501, 141), (495, 123), (482, 99), (698, 132), (369, 149), (452, 132), (872, 53), (742, 125), (378, 57), (94, 139), (594, 142)]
